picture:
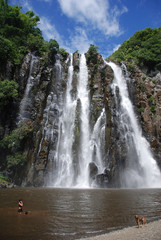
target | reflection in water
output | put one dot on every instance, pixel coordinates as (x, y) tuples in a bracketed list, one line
[(73, 213)]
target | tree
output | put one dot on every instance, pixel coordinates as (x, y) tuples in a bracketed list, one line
[(92, 54), (63, 52), (144, 47), (92, 49), (8, 92), (18, 33)]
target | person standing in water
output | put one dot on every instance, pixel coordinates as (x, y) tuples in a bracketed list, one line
[(20, 205)]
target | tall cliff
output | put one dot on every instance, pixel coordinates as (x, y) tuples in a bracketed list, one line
[(32, 128)]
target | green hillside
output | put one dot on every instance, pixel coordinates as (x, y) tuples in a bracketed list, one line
[(144, 47)]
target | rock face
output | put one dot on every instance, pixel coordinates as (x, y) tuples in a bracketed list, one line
[(42, 89), (148, 106)]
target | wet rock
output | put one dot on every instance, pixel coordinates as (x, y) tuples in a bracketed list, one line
[(45, 109), (102, 180), (3, 185), (39, 179), (93, 170)]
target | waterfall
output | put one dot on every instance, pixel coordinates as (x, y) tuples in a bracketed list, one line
[(50, 124), (84, 148), (71, 169), (64, 163), (141, 169), (97, 142), (51, 112), (26, 103)]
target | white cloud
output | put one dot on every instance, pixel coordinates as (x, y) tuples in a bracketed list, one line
[(109, 50), (49, 30), (116, 47), (47, 1), (79, 41), (96, 13), (25, 4)]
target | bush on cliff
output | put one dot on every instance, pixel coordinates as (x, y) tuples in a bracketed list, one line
[(144, 47), (19, 34), (92, 54), (16, 160), (3, 181), (8, 92), (64, 53), (13, 145)]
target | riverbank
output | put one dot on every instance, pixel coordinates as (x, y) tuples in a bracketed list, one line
[(151, 231)]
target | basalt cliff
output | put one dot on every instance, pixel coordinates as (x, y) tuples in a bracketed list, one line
[(30, 127)]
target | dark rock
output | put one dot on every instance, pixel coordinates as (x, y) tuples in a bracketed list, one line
[(102, 180), (93, 170)]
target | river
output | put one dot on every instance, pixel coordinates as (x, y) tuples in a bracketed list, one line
[(56, 214)]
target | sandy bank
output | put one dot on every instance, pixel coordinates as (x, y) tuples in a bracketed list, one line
[(151, 231)]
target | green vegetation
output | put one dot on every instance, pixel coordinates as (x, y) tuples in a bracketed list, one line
[(8, 92), (14, 140), (64, 53), (92, 58), (152, 103), (19, 34), (16, 160), (3, 179), (92, 54), (53, 48), (142, 87), (14, 144), (144, 47), (140, 110)]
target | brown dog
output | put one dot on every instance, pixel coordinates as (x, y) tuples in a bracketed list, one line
[(141, 220), (137, 220)]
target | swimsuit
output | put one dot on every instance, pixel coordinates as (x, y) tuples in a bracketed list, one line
[(19, 208)]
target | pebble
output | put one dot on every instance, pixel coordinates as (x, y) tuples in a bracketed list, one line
[(151, 231)]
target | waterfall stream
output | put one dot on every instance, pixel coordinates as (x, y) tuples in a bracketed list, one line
[(84, 148), (65, 171), (73, 141), (97, 142), (51, 125), (141, 168), (26, 104), (71, 169)]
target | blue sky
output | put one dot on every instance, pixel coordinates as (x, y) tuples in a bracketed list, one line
[(76, 24)]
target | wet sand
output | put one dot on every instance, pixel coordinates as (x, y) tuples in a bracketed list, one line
[(151, 231)]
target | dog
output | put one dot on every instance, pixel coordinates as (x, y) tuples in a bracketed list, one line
[(141, 220), (137, 220)]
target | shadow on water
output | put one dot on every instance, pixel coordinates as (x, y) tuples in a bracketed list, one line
[(73, 213)]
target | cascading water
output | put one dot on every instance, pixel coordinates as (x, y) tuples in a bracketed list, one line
[(97, 142), (141, 169), (70, 172), (85, 155), (25, 105), (50, 124), (64, 163)]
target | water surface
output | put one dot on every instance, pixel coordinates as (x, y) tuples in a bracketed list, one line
[(73, 213)]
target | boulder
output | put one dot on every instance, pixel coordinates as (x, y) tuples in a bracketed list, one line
[(93, 170)]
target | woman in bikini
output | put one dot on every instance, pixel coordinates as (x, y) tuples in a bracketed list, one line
[(20, 205)]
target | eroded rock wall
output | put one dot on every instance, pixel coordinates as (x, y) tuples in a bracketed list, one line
[(49, 81), (148, 107)]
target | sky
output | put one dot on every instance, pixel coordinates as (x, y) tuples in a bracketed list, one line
[(75, 24)]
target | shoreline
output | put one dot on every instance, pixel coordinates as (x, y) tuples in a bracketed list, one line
[(151, 231)]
